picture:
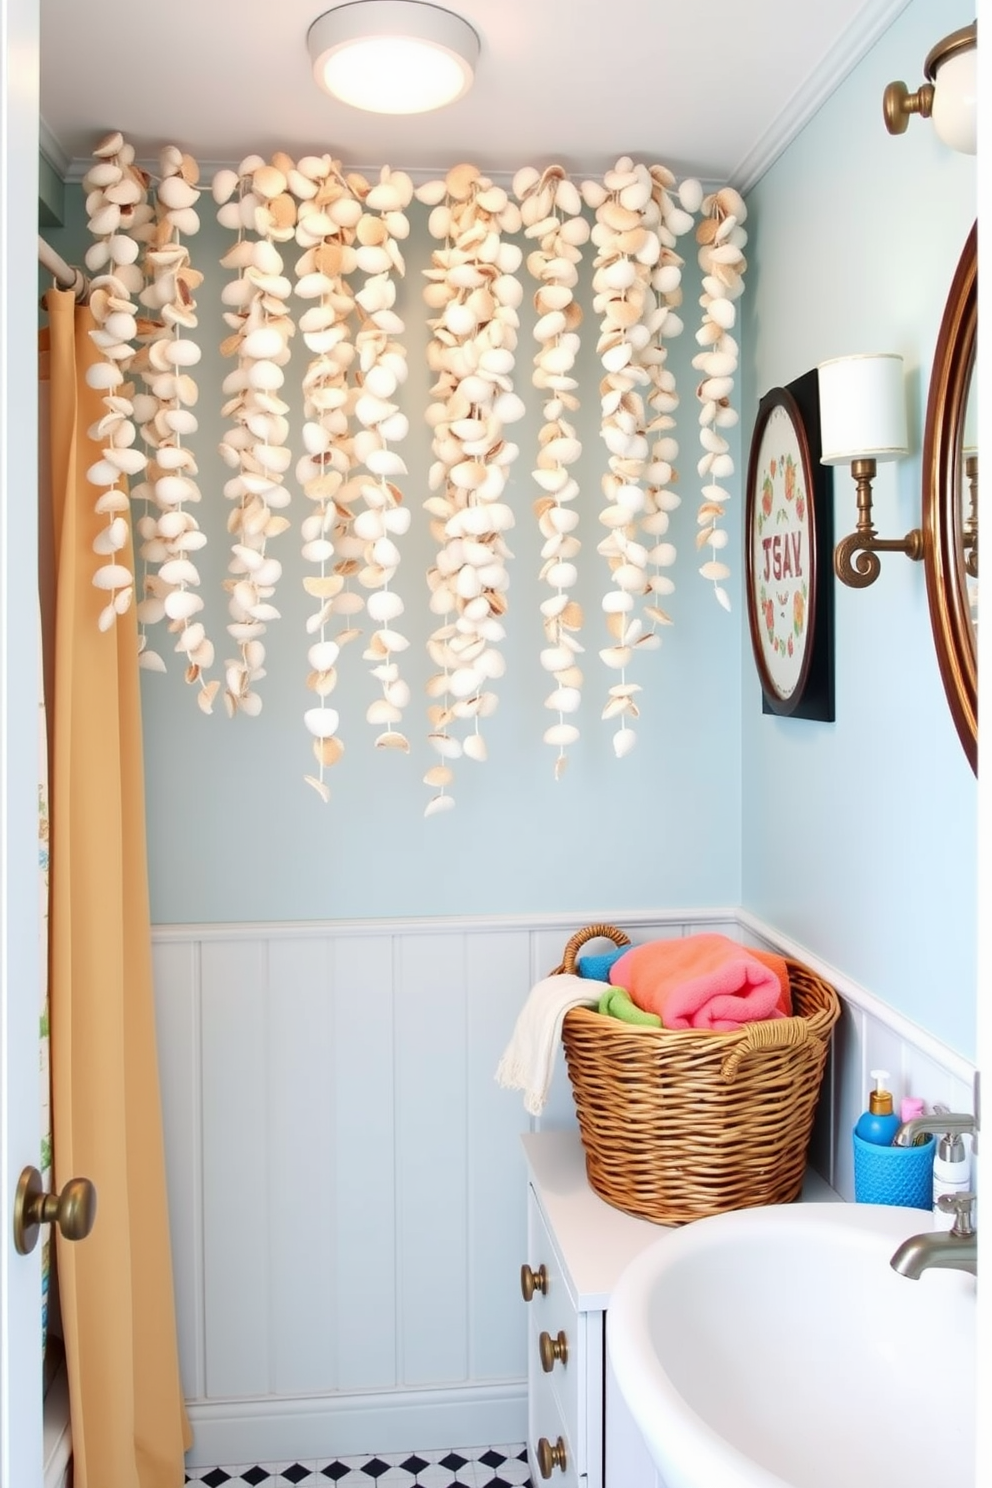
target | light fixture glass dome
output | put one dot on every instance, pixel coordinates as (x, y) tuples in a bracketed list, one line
[(393, 56), (954, 101)]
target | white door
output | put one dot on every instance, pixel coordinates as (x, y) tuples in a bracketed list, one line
[(20, 1276)]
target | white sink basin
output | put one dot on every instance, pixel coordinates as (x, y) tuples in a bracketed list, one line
[(776, 1346)]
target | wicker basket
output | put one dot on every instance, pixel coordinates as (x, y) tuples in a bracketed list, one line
[(680, 1124)]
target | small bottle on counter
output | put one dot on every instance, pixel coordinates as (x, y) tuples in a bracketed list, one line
[(879, 1123), (951, 1174)]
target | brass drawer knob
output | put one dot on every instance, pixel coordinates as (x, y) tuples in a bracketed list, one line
[(533, 1281), (549, 1457), (552, 1349)]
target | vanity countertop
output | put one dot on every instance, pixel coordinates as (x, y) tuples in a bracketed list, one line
[(598, 1240)]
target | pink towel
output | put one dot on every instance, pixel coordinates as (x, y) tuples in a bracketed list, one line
[(704, 981)]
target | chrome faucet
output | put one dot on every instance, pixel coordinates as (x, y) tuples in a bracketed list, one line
[(936, 1125), (955, 1249)]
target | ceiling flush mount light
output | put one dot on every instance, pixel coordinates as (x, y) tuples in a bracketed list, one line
[(393, 56), (863, 420), (947, 96)]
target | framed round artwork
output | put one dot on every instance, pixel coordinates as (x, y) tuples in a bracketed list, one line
[(787, 527)]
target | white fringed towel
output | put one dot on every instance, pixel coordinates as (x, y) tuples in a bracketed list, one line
[(528, 1059)]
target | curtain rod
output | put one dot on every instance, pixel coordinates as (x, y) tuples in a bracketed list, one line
[(66, 277)]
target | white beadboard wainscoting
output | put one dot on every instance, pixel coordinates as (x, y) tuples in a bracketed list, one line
[(346, 1181)]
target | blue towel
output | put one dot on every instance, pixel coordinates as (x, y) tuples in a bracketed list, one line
[(598, 967)]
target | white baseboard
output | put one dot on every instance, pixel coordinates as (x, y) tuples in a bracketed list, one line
[(311, 1427)]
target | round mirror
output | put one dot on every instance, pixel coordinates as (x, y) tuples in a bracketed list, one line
[(950, 499)]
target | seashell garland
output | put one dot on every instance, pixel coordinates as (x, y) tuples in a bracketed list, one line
[(550, 210), (328, 215), (116, 205), (636, 285), (721, 239), (474, 293), (382, 370), (670, 221), (255, 200), (164, 412)]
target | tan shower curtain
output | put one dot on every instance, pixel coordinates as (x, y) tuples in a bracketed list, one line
[(129, 1424)]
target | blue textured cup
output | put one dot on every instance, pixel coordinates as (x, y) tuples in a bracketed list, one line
[(894, 1175)]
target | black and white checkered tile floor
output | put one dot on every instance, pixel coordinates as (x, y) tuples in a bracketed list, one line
[(481, 1467)]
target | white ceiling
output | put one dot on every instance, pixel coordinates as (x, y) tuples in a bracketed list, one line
[(709, 87)]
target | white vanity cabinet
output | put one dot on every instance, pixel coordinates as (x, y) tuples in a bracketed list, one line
[(579, 1434)]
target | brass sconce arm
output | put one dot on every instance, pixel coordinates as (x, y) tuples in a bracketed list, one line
[(856, 560), (899, 104)]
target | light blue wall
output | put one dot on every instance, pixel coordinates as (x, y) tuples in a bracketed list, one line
[(236, 835), (859, 837)]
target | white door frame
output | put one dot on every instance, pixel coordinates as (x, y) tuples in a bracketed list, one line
[(20, 1276)]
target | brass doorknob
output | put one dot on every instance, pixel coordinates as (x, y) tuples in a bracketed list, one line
[(533, 1281), (551, 1349), (73, 1210), (549, 1457)]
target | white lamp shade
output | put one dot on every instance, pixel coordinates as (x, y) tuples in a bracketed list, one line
[(393, 56), (862, 408), (954, 111)]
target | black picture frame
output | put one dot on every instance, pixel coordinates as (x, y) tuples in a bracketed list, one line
[(789, 574)]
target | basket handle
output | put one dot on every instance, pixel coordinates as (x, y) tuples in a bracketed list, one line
[(770, 1033), (591, 932)]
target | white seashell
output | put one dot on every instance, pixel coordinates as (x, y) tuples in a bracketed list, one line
[(384, 605), (112, 538), (437, 804), (322, 722), (223, 186), (181, 352), (229, 216), (397, 520), (616, 657), (178, 571), (561, 734), (623, 742), (617, 602), (263, 343), (445, 745), (318, 551), (103, 375), (474, 748), (381, 711), (715, 570), (322, 655), (556, 658), (564, 699), (385, 462), (182, 603)]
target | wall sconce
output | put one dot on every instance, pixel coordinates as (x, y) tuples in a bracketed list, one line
[(948, 95), (393, 56), (863, 420)]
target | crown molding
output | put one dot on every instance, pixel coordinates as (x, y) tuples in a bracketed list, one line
[(812, 94)]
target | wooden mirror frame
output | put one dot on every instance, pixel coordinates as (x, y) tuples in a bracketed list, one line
[(954, 365)]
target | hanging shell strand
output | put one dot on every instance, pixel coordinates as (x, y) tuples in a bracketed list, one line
[(671, 219), (550, 209), (116, 205), (382, 370), (475, 295), (628, 244), (169, 530), (328, 215), (722, 238), (255, 447)]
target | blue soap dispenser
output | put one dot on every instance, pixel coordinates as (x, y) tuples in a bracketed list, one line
[(879, 1123)]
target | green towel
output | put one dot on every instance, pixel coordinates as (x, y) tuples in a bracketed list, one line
[(616, 1003)]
